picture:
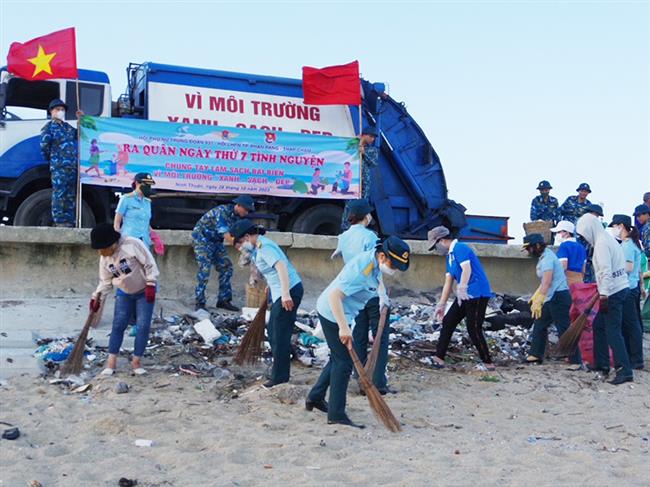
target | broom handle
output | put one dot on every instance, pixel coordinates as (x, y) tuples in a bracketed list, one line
[(359, 367), (592, 303), (374, 353)]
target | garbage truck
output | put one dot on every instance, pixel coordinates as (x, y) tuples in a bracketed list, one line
[(409, 190)]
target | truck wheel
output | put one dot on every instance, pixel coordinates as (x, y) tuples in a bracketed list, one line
[(36, 211), (319, 220)]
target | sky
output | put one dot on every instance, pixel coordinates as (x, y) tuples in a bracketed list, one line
[(508, 93)]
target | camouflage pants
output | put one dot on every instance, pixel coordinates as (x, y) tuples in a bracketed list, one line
[(64, 194), (206, 257)]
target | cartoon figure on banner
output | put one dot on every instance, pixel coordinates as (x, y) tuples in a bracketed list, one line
[(121, 159), (347, 178), (94, 158), (316, 183)]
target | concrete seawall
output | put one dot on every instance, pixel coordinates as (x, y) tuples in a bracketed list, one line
[(57, 262)]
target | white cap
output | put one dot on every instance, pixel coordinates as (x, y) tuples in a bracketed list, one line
[(564, 226)]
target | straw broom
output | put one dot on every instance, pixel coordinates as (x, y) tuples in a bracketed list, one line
[(374, 353), (250, 348), (570, 338), (74, 364), (379, 407)]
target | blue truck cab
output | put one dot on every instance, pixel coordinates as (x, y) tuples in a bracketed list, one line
[(408, 189)]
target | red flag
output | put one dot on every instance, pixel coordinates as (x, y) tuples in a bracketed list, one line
[(50, 56), (334, 85)]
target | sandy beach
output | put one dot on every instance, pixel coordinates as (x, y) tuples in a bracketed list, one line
[(526, 424)]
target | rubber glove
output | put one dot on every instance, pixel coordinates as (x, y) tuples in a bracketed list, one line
[(536, 304), (150, 293), (158, 244), (439, 314), (94, 304), (461, 294)]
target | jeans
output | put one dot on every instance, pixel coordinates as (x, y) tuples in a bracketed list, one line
[(368, 320), (474, 311), (632, 332), (555, 311), (608, 331), (335, 375), (279, 330), (126, 306)]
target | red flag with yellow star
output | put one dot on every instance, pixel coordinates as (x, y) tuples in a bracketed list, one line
[(50, 56)]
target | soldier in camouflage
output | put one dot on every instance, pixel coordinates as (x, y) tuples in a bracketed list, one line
[(576, 206), (544, 207), (369, 159), (209, 250), (59, 147)]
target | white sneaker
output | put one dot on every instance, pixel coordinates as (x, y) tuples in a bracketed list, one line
[(107, 371), (139, 371)]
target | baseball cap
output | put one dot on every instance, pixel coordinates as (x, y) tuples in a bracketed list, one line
[(564, 226)]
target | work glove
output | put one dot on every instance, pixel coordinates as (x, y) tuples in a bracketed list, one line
[(536, 303), (335, 254), (461, 294), (158, 244), (94, 304), (150, 293), (603, 304)]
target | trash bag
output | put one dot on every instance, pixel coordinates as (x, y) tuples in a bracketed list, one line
[(582, 294)]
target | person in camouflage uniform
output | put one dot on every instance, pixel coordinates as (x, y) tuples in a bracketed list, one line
[(59, 148), (208, 236), (544, 207), (369, 159), (576, 206)]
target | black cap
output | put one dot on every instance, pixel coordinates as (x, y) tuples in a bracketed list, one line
[(144, 177), (398, 251), (597, 209), (583, 187), (621, 219), (246, 201), (103, 236), (532, 239), (641, 210), (359, 208), (544, 185), (57, 102), (368, 130), (241, 228)]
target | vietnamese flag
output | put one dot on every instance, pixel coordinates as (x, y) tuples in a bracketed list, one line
[(334, 85), (50, 56)]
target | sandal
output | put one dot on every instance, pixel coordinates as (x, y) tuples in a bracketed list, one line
[(531, 359)]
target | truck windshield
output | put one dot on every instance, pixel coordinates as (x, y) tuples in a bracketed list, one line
[(28, 100)]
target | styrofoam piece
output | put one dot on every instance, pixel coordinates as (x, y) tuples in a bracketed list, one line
[(206, 329)]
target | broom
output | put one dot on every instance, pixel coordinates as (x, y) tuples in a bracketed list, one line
[(250, 348), (570, 338), (379, 407), (374, 353), (74, 364)]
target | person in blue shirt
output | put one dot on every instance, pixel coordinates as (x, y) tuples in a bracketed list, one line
[(632, 326), (337, 306), (133, 213), (472, 295), (286, 290), (642, 216), (544, 207), (572, 255), (355, 240), (551, 302)]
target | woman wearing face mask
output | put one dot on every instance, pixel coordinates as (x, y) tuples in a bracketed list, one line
[(622, 229), (355, 240), (551, 302), (337, 306), (286, 292), (133, 213), (127, 264), (472, 295), (572, 255)]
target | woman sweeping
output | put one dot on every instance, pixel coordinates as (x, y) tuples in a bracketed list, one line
[(286, 292), (337, 306), (127, 264), (472, 295), (551, 302)]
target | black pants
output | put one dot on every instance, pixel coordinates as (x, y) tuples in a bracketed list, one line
[(474, 311), (279, 330)]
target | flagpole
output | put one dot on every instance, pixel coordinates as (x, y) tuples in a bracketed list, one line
[(79, 196), (360, 155)]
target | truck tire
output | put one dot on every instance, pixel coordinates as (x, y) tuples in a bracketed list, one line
[(319, 220), (36, 211)]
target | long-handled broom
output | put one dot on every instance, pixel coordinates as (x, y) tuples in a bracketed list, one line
[(250, 348), (374, 352), (74, 363), (570, 338), (379, 407)]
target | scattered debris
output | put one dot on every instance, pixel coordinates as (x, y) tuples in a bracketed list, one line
[(121, 388), (143, 443), (124, 482), (11, 434)]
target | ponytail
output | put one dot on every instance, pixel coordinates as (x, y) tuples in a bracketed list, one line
[(633, 234)]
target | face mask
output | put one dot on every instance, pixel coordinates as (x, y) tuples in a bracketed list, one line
[(146, 190), (247, 247), (615, 232), (440, 249), (59, 114), (559, 239), (386, 270), (367, 220)]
